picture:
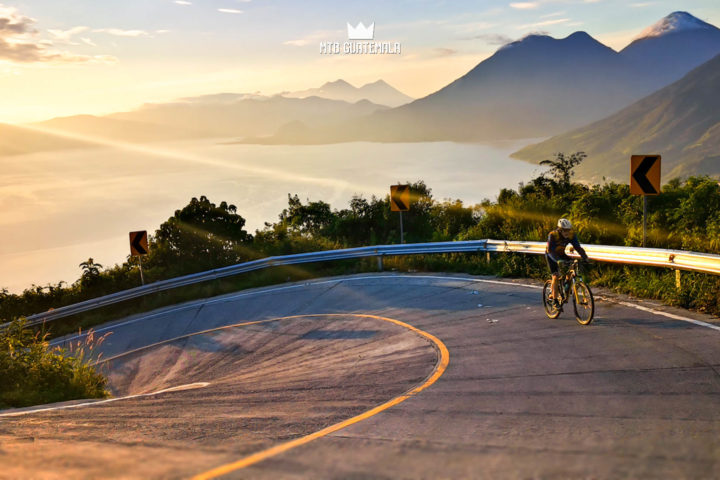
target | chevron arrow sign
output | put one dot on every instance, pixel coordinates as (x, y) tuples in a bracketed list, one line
[(138, 243), (400, 198), (645, 174)]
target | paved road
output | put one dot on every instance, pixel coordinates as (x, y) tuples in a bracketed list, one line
[(636, 394)]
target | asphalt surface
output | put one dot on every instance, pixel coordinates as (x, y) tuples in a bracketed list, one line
[(634, 395)]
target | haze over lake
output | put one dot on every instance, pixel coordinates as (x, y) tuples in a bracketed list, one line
[(59, 208)]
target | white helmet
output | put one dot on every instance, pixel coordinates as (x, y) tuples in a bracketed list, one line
[(565, 224)]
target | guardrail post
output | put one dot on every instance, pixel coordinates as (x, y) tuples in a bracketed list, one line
[(487, 257), (678, 280), (380, 263)]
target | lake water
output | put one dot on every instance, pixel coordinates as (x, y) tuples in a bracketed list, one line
[(59, 208)]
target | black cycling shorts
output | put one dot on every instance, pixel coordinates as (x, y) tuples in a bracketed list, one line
[(553, 265)]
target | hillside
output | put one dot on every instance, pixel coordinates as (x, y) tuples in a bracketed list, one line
[(379, 92), (15, 140), (680, 121), (120, 130), (670, 48), (535, 87)]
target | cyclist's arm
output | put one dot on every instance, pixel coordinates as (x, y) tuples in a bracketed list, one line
[(578, 248), (551, 248)]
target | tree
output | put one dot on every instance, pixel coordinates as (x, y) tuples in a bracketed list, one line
[(311, 219), (562, 167), (200, 236), (91, 272)]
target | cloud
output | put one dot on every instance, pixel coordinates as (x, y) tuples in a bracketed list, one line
[(494, 38), (536, 32), (544, 23), (525, 5), (554, 14), (65, 36), (301, 42), (229, 10), (314, 37), (38, 52), (642, 5), (118, 32), (21, 43), (87, 41), (444, 52), (183, 2), (12, 22)]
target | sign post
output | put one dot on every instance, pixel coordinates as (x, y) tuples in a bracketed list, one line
[(400, 202), (138, 248), (645, 172)]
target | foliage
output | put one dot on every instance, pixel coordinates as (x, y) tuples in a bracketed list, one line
[(211, 235), (562, 167), (35, 373), (91, 272)]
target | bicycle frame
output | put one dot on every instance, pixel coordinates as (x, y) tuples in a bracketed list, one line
[(571, 275)]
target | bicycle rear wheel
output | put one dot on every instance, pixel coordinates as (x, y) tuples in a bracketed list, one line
[(551, 309), (583, 303)]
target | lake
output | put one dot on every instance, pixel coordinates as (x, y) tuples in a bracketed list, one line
[(59, 208)]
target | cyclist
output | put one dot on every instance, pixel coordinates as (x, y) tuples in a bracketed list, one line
[(558, 239)]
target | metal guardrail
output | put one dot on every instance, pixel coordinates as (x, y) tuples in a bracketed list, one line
[(676, 259)]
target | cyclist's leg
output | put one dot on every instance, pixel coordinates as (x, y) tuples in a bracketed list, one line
[(567, 273), (553, 266)]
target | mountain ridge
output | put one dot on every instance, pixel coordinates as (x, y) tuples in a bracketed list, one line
[(379, 92), (680, 121)]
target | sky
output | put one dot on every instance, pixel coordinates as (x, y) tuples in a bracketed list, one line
[(103, 56)]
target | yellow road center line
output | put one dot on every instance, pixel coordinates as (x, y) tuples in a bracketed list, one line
[(440, 368)]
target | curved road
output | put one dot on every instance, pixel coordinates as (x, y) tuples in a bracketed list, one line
[(261, 372)]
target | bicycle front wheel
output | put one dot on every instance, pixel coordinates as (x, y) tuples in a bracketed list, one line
[(583, 303), (551, 308)]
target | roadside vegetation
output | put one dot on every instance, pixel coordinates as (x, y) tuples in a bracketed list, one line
[(205, 235), (33, 372)]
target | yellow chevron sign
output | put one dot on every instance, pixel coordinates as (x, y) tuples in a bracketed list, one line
[(400, 198), (138, 243)]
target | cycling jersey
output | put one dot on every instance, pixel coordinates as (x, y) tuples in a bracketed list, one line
[(556, 244)]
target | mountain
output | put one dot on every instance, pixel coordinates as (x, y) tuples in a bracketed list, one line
[(672, 47), (530, 88), (16, 140), (217, 115), (246, 116), (379, 92), (681, 122), (114, 129), (536, 87)]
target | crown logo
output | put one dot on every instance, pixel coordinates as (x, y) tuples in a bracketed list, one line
[(361, 32)]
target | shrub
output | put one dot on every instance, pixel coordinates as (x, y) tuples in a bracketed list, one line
[(34, 373)]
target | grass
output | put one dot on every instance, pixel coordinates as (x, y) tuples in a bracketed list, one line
[(35, 373)]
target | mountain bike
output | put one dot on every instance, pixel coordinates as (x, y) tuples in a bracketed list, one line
[(570, 285)]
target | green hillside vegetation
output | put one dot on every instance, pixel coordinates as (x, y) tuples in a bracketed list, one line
[(204, 235), (680, 122)]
